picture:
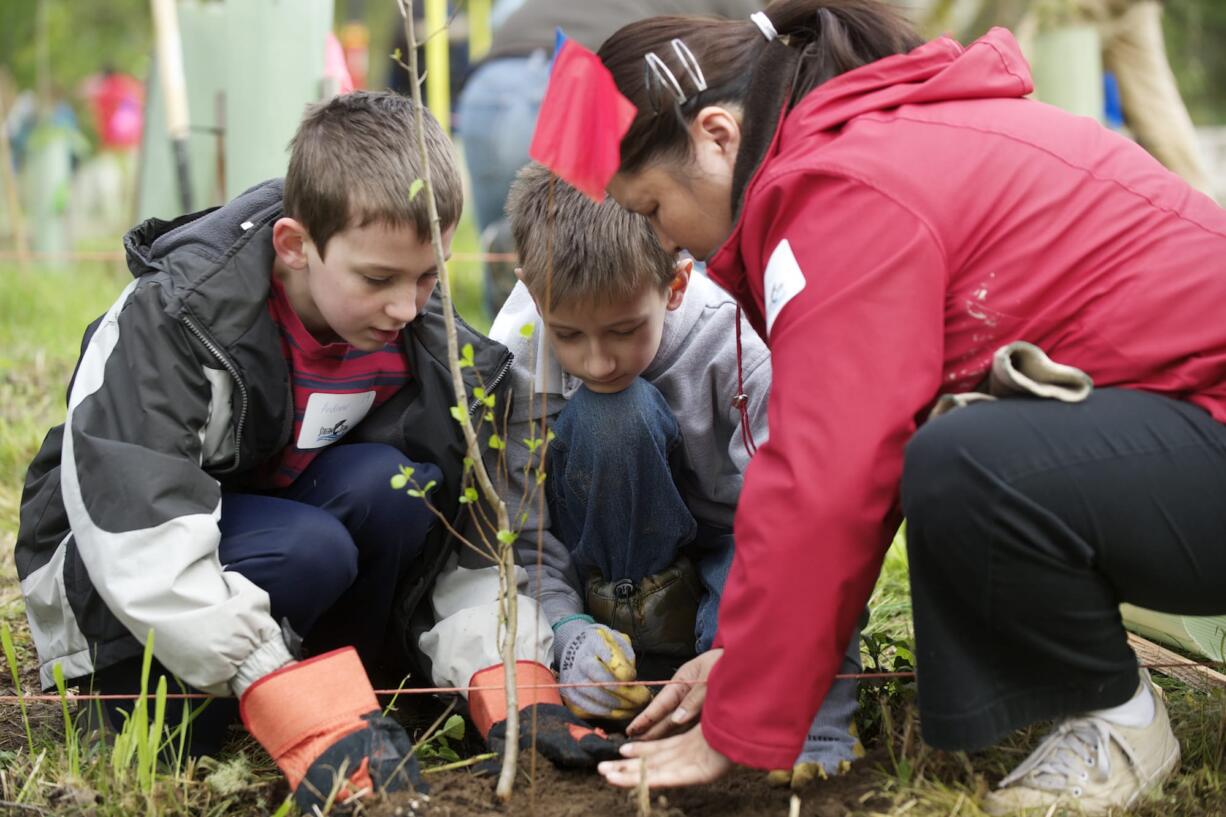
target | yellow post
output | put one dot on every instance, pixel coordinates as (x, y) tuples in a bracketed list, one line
[(438, 67), (480, 33)]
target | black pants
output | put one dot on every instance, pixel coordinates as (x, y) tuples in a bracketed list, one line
[(1028, 523)]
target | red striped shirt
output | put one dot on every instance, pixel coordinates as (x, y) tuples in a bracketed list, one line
[(334, 387)]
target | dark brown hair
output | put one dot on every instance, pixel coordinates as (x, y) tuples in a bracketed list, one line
[(578, 250), (353, 162), (833, 36)]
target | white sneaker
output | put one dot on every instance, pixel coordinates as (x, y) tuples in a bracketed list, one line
[(1091, 765)]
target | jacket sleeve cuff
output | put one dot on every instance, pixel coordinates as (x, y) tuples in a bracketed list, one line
[(731, 744), (270, 656)]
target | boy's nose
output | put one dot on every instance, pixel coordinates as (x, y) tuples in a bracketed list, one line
[(403, 310), (600, 365)]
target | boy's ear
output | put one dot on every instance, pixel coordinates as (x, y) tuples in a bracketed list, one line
[(676, 290), (289, 239)]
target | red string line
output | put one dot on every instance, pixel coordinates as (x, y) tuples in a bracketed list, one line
[(116, 255), (858, 676)]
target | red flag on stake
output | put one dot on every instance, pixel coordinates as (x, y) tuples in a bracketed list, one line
[(582, 121)]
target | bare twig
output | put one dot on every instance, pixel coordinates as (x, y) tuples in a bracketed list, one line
[(11, 806), (506, 550), (644, 793)]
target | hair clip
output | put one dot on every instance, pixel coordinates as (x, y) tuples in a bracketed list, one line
[(764, 25), (659, 72), (690, 64)]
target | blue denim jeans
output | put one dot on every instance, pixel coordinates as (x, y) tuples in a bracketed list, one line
[(496, 117), (614, 500)]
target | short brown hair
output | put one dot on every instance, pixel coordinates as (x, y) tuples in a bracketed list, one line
[(353, 162), (576, 249)]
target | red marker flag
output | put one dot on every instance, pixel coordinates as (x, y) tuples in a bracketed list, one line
[(582, 121)]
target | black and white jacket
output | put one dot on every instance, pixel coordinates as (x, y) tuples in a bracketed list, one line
[(180, 393)]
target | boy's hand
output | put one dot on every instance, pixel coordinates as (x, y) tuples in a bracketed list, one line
[(320, 721), (593, 654), (679, 702)]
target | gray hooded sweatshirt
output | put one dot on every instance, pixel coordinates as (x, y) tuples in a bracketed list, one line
[(695, 370)]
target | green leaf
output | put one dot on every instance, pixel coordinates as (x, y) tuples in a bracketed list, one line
[(453, 729), (457, 413), (496, 442), (407, 470), (540, 477), (468, 464), (505, 536), (488, 417), (396, 54), (479, 393), (415, 188), (533, 443), (470, 494), (466, 356), (523, 519), (416, 494), (549, 436), (399, 481), (526, 330)]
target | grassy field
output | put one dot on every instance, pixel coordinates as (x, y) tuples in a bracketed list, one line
[(42, 312)]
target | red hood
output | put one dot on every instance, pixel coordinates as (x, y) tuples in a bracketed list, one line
[(938, 71)]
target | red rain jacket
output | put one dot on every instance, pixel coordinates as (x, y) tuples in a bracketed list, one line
[(910, 217)]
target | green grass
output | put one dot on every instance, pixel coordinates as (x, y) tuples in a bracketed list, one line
[(42, 314)]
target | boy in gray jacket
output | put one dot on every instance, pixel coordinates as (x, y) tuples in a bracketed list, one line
[(633, 362)]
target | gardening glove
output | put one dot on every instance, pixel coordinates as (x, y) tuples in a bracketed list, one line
[(832, 742), (589, 653), (1021, 368), (561, 737), (320, 722)]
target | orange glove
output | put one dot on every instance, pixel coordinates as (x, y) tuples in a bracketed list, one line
[(560, 736), (320, 722)]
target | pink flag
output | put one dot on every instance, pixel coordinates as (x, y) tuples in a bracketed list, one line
[(582, 121)]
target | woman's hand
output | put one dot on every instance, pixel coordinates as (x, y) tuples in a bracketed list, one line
[(683, 760), (679, 703)]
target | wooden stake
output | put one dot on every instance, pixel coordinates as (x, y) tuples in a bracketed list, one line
[(1194, 675)]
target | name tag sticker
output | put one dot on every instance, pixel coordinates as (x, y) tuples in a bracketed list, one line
[(783, 281), (329, 417)]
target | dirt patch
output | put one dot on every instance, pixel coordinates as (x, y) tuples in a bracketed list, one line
[(558, 793)]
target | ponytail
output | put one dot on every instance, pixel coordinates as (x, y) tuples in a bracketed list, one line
[(832, 36)]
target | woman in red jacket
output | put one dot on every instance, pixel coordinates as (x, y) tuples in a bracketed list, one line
[(889, 214)]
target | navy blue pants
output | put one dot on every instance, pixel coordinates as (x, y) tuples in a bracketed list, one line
[(330, 551)]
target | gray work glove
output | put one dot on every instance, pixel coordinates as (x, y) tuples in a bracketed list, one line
[(587, 652)]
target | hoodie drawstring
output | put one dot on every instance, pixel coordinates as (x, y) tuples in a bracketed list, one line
[(741, 401)]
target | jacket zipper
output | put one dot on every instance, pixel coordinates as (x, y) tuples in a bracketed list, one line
[(494, 383), (242, 387)]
